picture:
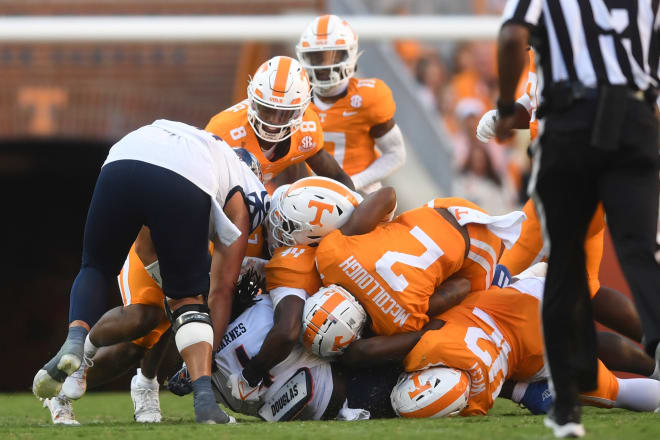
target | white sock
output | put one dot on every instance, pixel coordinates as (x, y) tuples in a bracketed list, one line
[(519, 391), (90, 349), (145, 382), (638, 394)]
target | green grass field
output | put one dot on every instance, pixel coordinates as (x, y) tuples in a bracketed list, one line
[(110, 415)]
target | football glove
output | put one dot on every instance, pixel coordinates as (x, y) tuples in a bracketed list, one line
[(242, 390), (486, 127), (180, 383)]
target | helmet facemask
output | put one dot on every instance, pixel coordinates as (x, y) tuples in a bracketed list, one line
[(328, 70), (273, 123)]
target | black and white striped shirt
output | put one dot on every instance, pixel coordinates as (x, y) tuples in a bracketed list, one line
[(594, 42)]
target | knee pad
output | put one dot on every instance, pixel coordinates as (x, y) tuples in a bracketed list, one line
[(191, 324)]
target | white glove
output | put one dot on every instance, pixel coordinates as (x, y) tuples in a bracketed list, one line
[(486, 127), (241, 389)]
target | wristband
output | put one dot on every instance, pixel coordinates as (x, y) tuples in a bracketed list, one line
[(505, 109)]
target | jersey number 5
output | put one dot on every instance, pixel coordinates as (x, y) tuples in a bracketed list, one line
[(398, 283)]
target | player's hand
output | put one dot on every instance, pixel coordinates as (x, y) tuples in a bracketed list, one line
[(241, 389), (433, 324), (258, 264), (504, 127), (486, 127), (180, 383)]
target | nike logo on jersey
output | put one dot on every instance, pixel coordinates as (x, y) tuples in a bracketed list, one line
[(347, 114)]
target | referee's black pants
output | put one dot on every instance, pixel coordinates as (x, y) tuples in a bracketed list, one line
[(569, 178)]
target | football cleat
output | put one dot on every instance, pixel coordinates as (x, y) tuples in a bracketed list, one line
[(75, 385), (145, 403), (61, 411), (567, 425), (537, 398), (48, 380)]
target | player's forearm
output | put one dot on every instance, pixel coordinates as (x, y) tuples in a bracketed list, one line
[(511, 57), (370, 212), (447, 295), (344, 178), (276, 347), (393, 157), (220, 301), (380, 349), (280, 340)]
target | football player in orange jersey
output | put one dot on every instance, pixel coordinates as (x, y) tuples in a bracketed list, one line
[(357, 114), (395, 269), (492, 336), (275, 123)]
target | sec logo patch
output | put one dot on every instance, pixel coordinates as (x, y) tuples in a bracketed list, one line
[(306, 144), (356, 101)]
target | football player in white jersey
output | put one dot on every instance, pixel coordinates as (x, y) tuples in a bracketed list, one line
[(174, 179), (302, 386)]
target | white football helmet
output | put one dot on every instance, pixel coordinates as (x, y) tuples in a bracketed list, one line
[(436, 392), (278, 95), (268, 226), (332, 319), (328, 50), (309, 210)]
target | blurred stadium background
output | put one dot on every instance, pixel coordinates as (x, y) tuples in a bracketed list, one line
[(63, 103)]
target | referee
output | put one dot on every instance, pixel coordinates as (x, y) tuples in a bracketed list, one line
[(598, 141)]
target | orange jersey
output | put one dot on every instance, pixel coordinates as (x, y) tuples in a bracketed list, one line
[(485, 247), (137, 287), (394, 270), (233, 127), (529, 249), (293, 267), (494, 336), (532, 93), (347, 122)]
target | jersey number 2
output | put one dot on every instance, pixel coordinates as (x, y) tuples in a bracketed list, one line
[(398, 283)]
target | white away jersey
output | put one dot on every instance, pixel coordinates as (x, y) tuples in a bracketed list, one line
[(199, 156), (243, 340)]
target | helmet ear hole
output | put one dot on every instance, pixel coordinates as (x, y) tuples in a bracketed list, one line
[(332, 320)]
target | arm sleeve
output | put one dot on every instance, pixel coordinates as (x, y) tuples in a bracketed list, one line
[(526, 12), (393, 157)]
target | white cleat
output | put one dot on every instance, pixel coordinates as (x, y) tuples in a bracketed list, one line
[(75, 385), (61, 411), (45, 385), (567, 430), (145, 403)]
